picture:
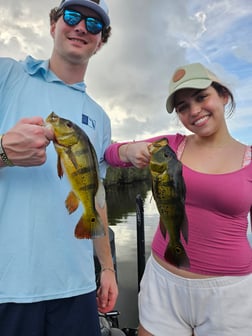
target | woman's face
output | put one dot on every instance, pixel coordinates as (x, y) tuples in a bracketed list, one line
[(201, 111)]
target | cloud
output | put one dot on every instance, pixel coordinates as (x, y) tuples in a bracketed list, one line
[(24, 29), (150, 40), (129, 76)]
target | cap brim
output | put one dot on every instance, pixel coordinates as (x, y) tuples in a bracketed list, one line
[(190, 84)]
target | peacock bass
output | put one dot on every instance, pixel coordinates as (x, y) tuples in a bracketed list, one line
[(77, 159), (169, 192)]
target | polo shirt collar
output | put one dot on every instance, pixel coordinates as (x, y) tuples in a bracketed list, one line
[(34, 67)]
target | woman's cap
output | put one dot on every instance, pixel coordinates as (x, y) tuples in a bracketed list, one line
[(99, 6), (191, 76)]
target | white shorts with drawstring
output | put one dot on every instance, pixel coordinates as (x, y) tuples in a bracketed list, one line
[(170, 305)]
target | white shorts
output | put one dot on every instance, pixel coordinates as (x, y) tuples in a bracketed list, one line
[(173, 305)]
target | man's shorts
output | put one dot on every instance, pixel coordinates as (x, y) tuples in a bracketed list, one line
[(74, 316), (173, 305)]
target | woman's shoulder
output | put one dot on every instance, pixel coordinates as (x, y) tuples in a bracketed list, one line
[(172, 138), (175, 140)]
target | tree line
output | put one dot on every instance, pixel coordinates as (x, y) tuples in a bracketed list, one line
[(126, 175)]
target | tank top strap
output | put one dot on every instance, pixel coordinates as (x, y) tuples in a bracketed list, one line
[(247, 156), (181, 148)]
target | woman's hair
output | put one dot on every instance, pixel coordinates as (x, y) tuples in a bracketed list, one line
[(55, 14), (224, 91)]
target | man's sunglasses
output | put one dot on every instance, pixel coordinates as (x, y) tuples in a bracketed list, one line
[(72, 18)]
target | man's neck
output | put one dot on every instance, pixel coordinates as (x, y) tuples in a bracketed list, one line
[(69, 73)]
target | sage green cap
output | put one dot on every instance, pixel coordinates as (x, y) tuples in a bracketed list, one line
[(191, 76)]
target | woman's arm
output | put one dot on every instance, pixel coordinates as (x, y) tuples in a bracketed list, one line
[(127, 154)]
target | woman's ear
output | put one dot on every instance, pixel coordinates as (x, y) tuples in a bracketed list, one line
[(225, 96)]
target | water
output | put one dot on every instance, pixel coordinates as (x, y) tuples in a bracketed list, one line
[(121, 201)]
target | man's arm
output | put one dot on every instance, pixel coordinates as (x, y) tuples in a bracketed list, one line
[(108, 291)]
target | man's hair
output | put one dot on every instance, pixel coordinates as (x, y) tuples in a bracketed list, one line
[(55, 14)]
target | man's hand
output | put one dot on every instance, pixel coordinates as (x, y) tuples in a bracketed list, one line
[(108, 291), (25, 144)]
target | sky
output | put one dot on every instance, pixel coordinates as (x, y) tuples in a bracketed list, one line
[(129, 76)]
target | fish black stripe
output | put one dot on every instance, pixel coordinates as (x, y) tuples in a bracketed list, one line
[(88, 187), (82, 171), (81, 151)]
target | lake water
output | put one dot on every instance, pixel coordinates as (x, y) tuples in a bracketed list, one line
[(121, 201)]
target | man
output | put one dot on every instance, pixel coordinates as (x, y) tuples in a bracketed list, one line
[(47, 278)]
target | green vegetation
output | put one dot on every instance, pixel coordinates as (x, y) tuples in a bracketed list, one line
[(126, 175)]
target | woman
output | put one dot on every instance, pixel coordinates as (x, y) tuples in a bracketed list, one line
[(212, 296)]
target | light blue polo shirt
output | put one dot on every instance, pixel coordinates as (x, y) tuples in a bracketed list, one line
[(40, 257)]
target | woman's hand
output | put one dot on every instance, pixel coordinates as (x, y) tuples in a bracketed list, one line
[(135, 152)]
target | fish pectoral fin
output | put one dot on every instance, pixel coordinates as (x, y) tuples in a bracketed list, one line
[(100, 195), (162, 228), (89, 227), (71, 202), (59, 167), (72, 157), (184, 228)]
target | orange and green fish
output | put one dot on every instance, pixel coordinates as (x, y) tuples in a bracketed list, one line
[(78, 160), (169, 192)]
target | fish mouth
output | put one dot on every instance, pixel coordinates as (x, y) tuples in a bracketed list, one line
[(52, 118), (155, 146), (150, 148)]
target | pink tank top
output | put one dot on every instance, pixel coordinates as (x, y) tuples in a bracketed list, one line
[(217, 207)]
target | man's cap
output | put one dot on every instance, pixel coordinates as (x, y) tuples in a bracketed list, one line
[(99, 6), (191, 76)]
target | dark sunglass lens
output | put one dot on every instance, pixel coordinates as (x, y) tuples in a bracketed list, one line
[(93, 25), (72, 18)]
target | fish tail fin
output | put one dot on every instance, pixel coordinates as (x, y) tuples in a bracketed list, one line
[(89, 227), (176, 255)]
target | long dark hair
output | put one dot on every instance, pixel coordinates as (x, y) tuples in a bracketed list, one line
[(224, 91)]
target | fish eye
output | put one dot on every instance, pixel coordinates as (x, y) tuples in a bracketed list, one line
[(69, 124), (178, 250)]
